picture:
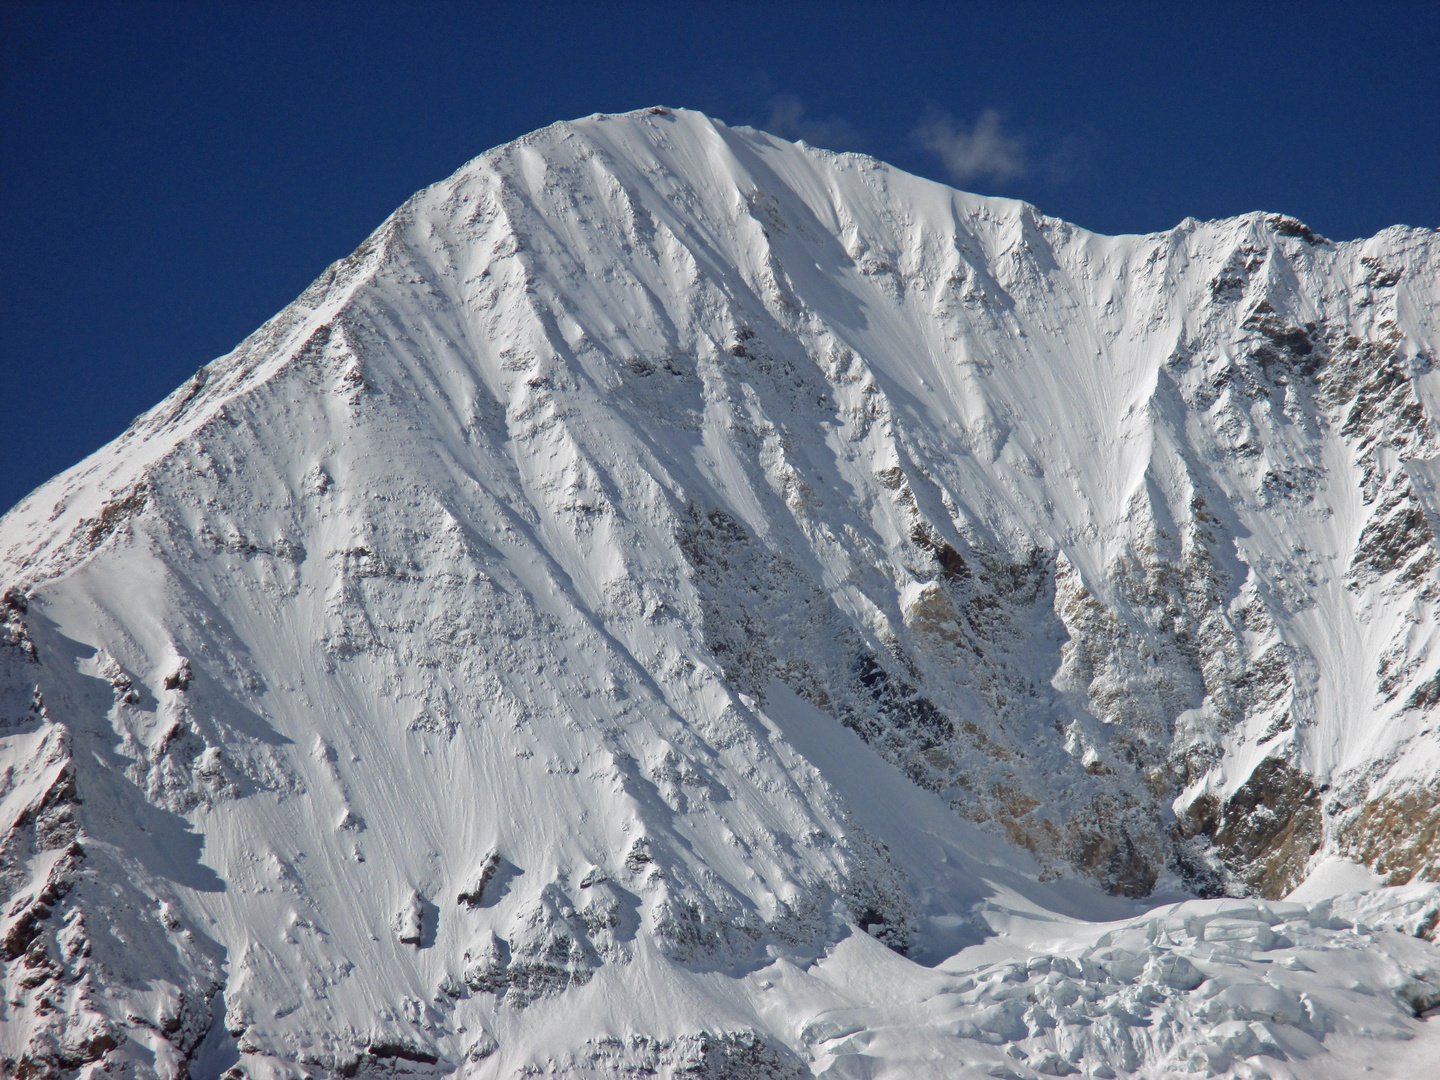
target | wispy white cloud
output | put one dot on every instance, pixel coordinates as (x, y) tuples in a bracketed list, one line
[(984, 150), (789, 120)]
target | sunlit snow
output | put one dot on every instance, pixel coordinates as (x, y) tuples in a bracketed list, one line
[(677, 602)]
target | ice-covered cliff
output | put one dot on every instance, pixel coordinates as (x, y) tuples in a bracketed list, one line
[(676, 599)]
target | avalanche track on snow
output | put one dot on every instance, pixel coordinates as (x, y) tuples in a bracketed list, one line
[(677, 602)]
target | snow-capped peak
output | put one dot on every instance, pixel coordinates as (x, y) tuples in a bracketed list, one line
[(677, 599)]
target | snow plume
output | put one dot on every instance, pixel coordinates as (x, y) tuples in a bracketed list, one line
[(983, 151), (788, 118)]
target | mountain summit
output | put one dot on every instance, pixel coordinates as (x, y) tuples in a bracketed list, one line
[(678, 602)]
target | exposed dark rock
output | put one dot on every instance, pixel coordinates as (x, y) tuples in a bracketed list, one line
[(1397, 835), (179, 679), (724, 1055), (389, 1047), (1127, 865), (1284, 225), (13, 631), (90, 533), (1426, 695), (474, 892), (1265, 833)]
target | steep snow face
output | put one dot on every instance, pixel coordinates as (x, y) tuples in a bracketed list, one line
[(662, 552)]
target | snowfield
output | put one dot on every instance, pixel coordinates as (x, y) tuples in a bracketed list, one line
[(681, 603)]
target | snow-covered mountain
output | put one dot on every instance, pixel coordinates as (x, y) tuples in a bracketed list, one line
[(678, 602)]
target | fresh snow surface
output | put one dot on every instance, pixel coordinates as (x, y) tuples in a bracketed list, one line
[(681, 603), (1334, 876)]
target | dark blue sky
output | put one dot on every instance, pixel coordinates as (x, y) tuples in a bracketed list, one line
[(170, 176)]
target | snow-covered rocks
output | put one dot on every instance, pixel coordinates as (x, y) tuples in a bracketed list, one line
[(474, 891), (485, 964), (409, 920), (810, 578)]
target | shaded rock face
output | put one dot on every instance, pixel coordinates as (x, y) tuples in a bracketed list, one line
[(86, 951), (764, 621), (723, 1055), (1399, 835), (1265, 834)]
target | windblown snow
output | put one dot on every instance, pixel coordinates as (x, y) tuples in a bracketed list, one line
[(681, 603)]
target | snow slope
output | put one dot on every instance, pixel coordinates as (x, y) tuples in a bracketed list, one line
[(679, 600)]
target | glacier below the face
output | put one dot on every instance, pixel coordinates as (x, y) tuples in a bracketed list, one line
[(677, 602)]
